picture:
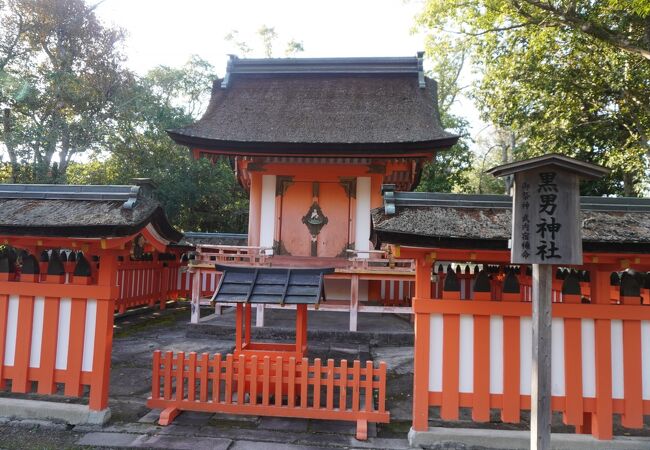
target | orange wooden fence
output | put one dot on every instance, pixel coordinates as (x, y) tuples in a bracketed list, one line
[(145, 283), (58, 330), (396, 293), (477, 354), (269, 387)]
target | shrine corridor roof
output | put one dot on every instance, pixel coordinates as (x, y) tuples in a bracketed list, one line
[(427, 219), (82, 210)]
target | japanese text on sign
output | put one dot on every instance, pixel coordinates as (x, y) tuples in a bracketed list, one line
[(548, 226), (546, 210)]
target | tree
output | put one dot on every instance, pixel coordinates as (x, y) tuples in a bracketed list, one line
[(449, 169), (624, 24), (268, 35), (558, 86), (196, 195), (60, 69), (269, 39), (491, 151)]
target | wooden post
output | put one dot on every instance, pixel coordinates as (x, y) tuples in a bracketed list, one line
[(540, 411), (354, 301), (259, 316), (546, 230), (196, 296)]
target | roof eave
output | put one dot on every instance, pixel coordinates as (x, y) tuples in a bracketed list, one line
[(386, 149), (583, 169), (157, 218)]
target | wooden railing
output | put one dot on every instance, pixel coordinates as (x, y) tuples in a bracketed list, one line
[(231, 254), (379, 260), (145, 283), (269, 387)]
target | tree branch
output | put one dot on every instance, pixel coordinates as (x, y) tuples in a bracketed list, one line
[(571, 19), (493, 30)]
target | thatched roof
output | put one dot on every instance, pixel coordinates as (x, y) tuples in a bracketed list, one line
[(81, 211), (484, 221), (331, 106)]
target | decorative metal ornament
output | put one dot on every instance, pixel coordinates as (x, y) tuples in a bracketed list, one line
[(137, 247), (314, 219)]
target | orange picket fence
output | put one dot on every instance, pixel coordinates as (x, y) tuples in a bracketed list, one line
[(269, 387), (477, 354)]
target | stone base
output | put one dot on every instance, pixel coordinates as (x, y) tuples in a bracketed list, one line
[(62, 412), (515, 440)]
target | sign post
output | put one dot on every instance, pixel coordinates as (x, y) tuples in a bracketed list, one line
[(545, 232)]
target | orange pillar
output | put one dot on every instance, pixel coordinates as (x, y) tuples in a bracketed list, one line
[(421, 352), (101, 371)]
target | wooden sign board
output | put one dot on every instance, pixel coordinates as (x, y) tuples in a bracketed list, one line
[(546, 217)]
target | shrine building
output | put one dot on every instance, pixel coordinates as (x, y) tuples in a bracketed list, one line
[(313, 140)]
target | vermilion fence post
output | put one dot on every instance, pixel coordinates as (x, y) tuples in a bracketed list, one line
[(422, 343), (573, 366), (21, 382), (601, 424)]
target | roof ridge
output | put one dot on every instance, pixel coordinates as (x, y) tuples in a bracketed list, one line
[(314, 66), (129, 194)]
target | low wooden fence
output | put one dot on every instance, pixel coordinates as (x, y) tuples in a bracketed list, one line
[(396, 292), (145, 283), (269, 387), (477, 354)]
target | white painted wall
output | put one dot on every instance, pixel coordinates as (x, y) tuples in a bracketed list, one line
[(37, 332), (362, 217), (436, 345), (340, 290), (89, 335), (267, 216)]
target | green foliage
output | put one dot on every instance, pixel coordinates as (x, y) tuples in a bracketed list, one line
[(59, 73), (450, 168), (558, 82), (197, 195)]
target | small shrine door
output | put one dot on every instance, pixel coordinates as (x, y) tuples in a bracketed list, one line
[(315, 218)]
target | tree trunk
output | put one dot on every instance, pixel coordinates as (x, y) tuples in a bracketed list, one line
[(628, 185)]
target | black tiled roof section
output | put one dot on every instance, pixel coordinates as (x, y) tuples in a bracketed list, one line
[(330, 105), (270, 285), (484, 221), (81, 211)]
